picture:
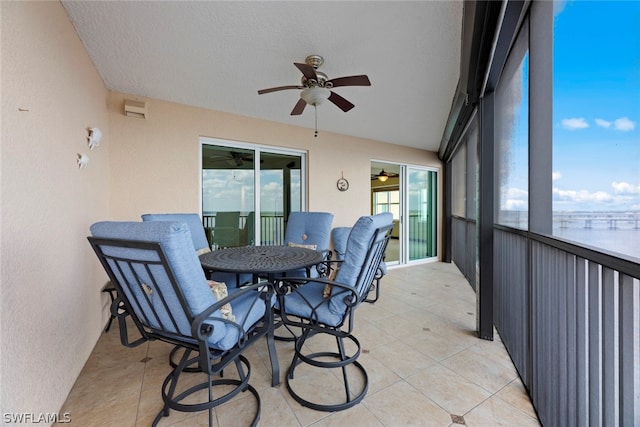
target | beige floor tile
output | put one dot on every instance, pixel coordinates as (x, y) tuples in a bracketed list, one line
[(486, 373), (358, 416), (436, 346), (496, 412), (276, 412), (516, 395), (453, 393), (400, 358), (403, 405)]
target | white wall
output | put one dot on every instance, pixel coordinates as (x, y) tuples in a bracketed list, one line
[(50, 300), (157, 159)]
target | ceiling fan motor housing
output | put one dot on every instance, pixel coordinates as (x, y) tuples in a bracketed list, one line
[(321, 80)]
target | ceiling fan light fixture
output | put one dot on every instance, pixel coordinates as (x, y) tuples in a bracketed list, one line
[(315, 95), (383, 176)]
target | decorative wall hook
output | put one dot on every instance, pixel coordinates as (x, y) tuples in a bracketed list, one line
[(95, 137)]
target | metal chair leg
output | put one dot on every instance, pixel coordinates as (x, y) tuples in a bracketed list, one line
[(111, 290)]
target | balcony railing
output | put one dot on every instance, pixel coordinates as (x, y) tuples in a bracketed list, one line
[(272, 228), (570, 318)]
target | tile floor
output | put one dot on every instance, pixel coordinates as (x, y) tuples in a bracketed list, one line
[(426, 368)]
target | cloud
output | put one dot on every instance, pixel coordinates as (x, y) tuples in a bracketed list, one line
[(603, 123), (515, 199), (556, 176), (515, 205), (575, 123), (625, 188), (581, 196), (624, 124)]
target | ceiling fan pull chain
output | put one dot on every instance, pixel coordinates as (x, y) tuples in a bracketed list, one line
[(315, 108)]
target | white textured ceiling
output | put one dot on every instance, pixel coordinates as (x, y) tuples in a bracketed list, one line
[(216, 55)]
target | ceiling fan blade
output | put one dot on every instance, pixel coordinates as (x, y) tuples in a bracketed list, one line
[(274, 89), (361, 80), (342, 103), (307, 70), (299, 107)]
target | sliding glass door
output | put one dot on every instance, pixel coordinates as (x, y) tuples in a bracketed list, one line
[(233, 212), (410, 193), (422, 196)]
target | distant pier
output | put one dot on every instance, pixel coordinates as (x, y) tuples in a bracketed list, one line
[(612, 220)]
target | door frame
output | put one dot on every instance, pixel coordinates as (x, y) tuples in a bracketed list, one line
[(404, 210)]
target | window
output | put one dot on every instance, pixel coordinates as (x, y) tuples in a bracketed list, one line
[(511, 133), (233, 212), (596, 109), (387, 201)]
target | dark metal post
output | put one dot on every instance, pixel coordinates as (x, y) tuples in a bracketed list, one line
[(486, 192), (447, 235)]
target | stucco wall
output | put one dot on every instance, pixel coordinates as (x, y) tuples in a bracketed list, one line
[(155, 161), (50, 302)]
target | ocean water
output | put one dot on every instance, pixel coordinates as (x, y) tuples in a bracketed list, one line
[(625, 239)]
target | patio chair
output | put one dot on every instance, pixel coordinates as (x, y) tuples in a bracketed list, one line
[(201, 244), (162, 288), (226, 231), (319, 306), (339, 236), (311, 230)]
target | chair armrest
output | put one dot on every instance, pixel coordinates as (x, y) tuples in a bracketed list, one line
[(202, 330)]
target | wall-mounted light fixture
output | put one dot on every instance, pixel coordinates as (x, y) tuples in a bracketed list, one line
[(135, 109), (95, 138), (83, 160)]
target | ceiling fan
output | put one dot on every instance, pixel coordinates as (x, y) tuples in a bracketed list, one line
[(231, 158), (383, 176), (316, 86)]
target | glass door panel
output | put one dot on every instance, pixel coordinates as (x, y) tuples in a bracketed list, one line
[(280, 194), (228, 195), (422, 187), (385, 197), (230, 176)]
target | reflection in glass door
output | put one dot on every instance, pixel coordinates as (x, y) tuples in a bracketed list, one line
[(410, 194), (230, 176), (228, 195), (422, 196), (280, 194)]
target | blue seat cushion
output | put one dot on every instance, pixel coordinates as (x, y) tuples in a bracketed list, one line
[(307, 301)]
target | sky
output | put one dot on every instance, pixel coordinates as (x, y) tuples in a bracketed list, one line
[(233, 190), (596, 108)]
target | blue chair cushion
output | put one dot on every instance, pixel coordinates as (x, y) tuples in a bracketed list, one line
[(306, 228), (308, 301), (191, 219), (176, 242), (340, 236), (200, 243), (355, 257)]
